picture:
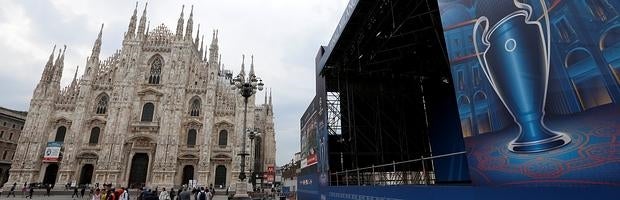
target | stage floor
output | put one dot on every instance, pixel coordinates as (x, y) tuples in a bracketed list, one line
[(592, 157)]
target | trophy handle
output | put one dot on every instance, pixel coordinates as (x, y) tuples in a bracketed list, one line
[(486, 44), (546, 31)]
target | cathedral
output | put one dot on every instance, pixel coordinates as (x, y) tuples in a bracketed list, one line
[(159, 112)]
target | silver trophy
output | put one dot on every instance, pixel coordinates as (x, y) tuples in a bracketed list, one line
[(515, 60)]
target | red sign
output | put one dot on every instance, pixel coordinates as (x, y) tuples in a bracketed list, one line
[(271, 173), (312, 159)]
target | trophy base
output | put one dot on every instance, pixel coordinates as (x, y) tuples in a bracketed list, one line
[(556, 141)]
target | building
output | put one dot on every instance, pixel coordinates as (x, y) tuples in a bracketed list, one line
[(158, 112), (11, 124)]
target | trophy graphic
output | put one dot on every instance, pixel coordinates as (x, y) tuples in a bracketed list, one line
[(515, 60)]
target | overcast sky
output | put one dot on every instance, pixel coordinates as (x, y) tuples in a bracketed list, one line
[(283, 35)]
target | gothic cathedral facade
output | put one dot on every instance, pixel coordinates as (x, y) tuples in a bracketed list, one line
[(158, 112)]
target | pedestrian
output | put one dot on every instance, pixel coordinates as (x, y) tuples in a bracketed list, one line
[(163, 195), (172, 194), (82, 191), (12, 191), (31, 192), (24, 189), (75, 192), (202, 195), (185, 195), (209, 194), (103, 194), (125, 194), (96, 195), (48, 188), (110, 195)]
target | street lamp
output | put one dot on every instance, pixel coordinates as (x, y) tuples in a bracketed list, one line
[(247, 87)]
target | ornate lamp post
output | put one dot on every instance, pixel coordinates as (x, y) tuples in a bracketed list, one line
[(247, 87)]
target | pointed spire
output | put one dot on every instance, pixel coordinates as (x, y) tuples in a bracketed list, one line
[(97, 46), (197, 34), (252, 66), (76, 71), (148, 26), (269, 96), (179, 33), (132, 23), (142, 22), (190, 25), (58, 67), (265, 102), (242, 72), (202, 44), (49, 68)]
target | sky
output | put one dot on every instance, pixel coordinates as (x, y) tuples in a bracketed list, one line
[(283, 35)]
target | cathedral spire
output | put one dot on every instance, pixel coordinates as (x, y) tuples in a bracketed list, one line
[(179, 33), (142, 22), (132, 23), (202, 41), (58, 67), (75, 75), (242, 72), (252, 67), (97, 46), (197, 34), (190, 25), (49, 68), (270, 96)]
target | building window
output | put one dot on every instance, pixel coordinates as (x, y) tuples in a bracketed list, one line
[(4, 155), (60, 134), (156, 66), (1, 134), (223, 139), (94, 135), (191, 137), (601, 9), (102, 104), (11, 136), (566, 31), (194, 109), (147, 112)]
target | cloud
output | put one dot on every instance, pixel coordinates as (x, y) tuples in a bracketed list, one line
[(283, 35)]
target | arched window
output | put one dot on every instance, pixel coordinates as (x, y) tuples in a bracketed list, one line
[(155, 75), (102, 104), (194, 109), (60, 134), (147, 112), (191, 138), (94, 135), (223, 139)]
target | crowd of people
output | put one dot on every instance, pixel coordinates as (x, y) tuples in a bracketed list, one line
[(107, 192)]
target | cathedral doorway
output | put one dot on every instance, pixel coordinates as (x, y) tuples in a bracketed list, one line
[(188, 174), (220, 175), (86, 174), (51, 171), (138, 171)]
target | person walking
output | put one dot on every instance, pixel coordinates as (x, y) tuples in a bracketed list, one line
[(163, 195), (31, 192), (125, 194), (82, 191), (75, 192), (48, 188), (185, 195), (11, 191), (96, 195), (172, 194)]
